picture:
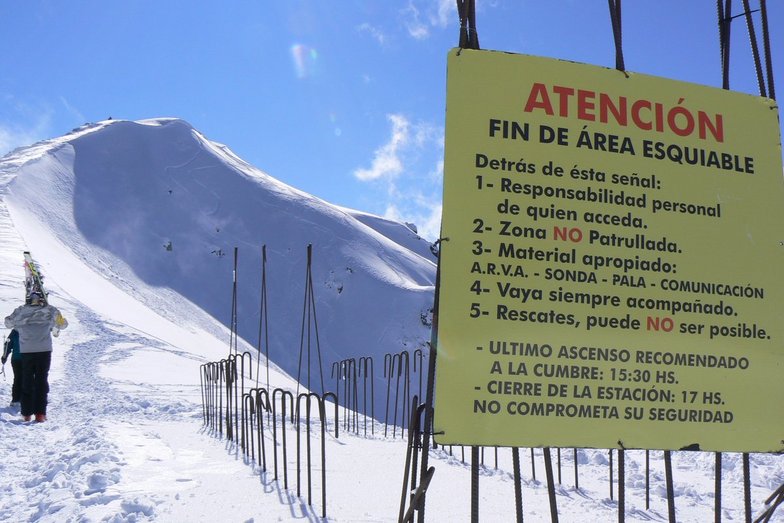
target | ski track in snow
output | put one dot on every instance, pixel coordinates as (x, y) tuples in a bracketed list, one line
[(69, 457)]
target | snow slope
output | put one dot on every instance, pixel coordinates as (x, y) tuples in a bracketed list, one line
[(125, 440), (116, 193)]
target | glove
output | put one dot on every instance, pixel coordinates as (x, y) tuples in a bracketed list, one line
[(3, 359), (55, 332), (60, 322)]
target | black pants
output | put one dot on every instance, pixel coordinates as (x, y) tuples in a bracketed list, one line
[(16, 388), (35, 382)]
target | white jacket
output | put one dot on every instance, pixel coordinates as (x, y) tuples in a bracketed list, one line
[(35, 324)]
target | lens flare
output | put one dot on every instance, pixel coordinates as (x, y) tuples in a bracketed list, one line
[(333, 119), (304, 58)]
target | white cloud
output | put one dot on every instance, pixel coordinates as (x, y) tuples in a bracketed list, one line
[(437, 13), (446, 13), (430, 227), (437, 174), (386, 160), (407, 172), (426, 134), (26, 121), (425, 215), (76, 113), (373, 31), (421, 16), (416, 29), (30, 125)]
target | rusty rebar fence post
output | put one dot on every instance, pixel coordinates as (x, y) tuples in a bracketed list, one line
[(548, 469), (349, 376), (337, 418), (766, 48), (474, 484), (335, 373), (217, 396), (203, 380), (226, 381), (647, 480), (725, 17), (419, 356), (263, 319), (533, 465), (366, 371), (355, 395), (309, 398), (309, 319), (283, 394), (747, 486), (412, 450), (220, 392), (772, 503), (611, 475), (231, 383), (621, 485), (262, 401), (717, 489), (248, 413), (406, 372), (397, 358), (755, 51), (670, 487), (388, 369), (576, 476), (418, 497), (518, 484), (239, 393)]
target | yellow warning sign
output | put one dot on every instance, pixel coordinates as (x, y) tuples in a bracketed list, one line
[(612, 270)]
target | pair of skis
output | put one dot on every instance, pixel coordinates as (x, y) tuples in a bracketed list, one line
[(33, 278), (34, 283)]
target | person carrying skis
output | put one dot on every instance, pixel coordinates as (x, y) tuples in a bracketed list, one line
[(35, 321), (11, 348)]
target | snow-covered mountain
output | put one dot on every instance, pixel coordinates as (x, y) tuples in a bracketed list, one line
[(125, 442), (157, 209)]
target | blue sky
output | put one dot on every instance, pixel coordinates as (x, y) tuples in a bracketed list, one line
[(344, 99)]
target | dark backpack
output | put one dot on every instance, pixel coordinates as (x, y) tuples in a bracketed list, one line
[(11, 346)]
